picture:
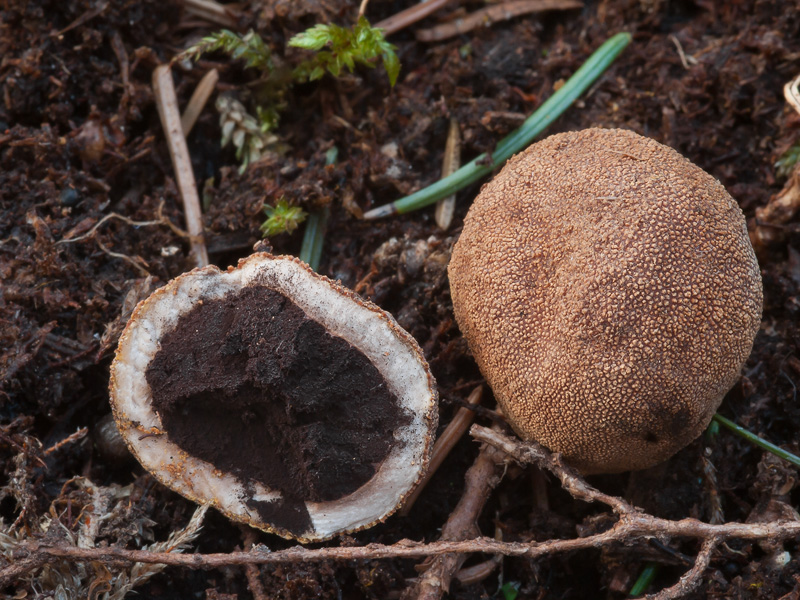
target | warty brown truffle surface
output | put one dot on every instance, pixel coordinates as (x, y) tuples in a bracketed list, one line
[(610, 295)]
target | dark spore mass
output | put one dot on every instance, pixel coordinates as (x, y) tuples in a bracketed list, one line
[(253, 386)]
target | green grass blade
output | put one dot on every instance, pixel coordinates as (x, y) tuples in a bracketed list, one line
[(754, 439), (313, 236), (645, 579), (548, 112)]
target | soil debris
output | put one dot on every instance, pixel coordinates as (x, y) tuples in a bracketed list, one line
[(80, 138)]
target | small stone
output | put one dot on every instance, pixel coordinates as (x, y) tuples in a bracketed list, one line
[(69, 196)]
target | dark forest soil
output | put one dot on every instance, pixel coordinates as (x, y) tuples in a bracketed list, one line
[(80, 138)]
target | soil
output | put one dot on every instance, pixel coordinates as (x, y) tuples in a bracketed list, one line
[(80, 139), (251, 385)]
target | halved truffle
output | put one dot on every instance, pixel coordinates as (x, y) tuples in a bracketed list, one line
[(275, 395), (610, 295)]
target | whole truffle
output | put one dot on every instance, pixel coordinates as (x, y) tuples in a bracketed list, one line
[(610, 295)]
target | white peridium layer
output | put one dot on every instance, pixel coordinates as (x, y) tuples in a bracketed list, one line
[(372, 331)]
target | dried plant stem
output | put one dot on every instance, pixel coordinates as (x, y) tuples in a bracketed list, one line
[(137, 262), (162, 220), (410, 16), (251, 571), (93, 515), (211, 11), (479, 572), (686, 61), (20, 567), (73, 437), (533, 453), (493, 14), (198, 101), (691, 580), (481, 478), (631, 526), (445, 207), (84, 18), (171, 122)]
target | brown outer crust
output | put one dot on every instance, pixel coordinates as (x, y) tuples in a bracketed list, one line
[(561, 283), (123, 424)]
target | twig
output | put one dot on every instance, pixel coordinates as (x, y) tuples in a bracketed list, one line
[(138, 262), (362, 8), (685, 60), (533, 453), (198, 101), (162, 220), (87, 16), (450, 436), (94, 513), (481, 478), (22, 450), (631, 526), (211, 11), (81, 433), (118, 46), (493, 14), (254, 583), (689, 582), (410, 16), (715, 511), (20, 567), (171, 122)]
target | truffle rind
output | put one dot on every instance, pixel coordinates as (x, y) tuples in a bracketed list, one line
[(374, 332), (610, 295)]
